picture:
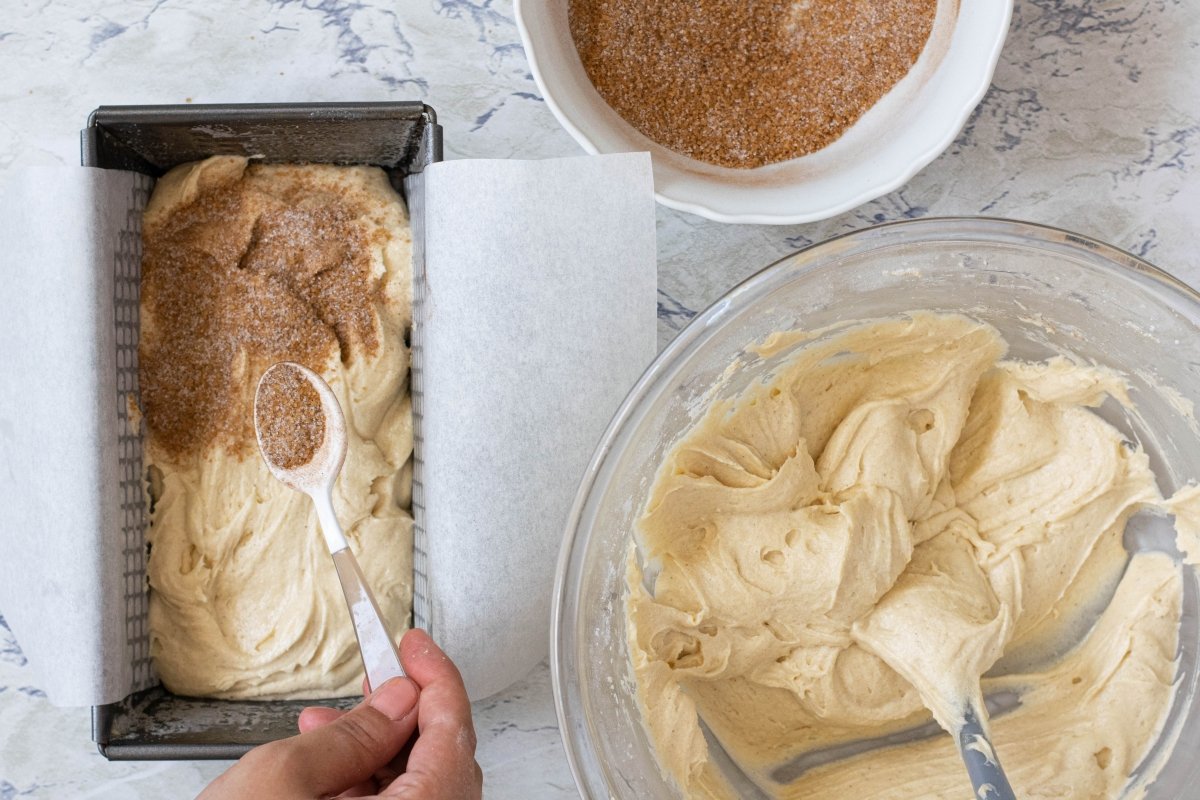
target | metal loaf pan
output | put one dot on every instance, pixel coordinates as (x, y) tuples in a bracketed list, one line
[(400, 137)]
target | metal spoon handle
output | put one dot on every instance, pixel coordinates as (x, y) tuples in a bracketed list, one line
[(983, 765), (375, 641)]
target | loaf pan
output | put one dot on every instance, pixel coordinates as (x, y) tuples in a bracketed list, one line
[(400, 137)]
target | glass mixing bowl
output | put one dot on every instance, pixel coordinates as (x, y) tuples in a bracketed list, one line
[(1045, 290)]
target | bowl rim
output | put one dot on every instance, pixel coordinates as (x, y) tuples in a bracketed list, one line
[(804, 261), (954, 124)]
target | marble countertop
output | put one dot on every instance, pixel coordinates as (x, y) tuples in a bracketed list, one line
[(1092, 124)]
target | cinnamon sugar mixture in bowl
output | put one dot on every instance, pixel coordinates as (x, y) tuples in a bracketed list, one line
[(745, 83)]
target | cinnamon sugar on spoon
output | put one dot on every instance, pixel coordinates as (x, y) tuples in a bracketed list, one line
[(289, 418)]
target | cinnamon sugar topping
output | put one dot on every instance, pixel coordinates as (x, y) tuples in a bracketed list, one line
[(270, 266)]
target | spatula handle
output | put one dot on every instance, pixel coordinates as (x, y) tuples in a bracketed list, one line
[(983, 765)]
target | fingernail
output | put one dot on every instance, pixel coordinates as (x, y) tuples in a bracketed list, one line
[(395, 699)]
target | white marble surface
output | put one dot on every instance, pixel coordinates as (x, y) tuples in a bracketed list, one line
[(1093, 124)]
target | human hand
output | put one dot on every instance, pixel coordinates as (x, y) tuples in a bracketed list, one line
[(360, 753)]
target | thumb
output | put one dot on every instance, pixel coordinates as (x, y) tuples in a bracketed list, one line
[(350, 749)]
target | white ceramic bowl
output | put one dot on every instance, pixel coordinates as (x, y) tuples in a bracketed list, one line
[(902, 133)]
